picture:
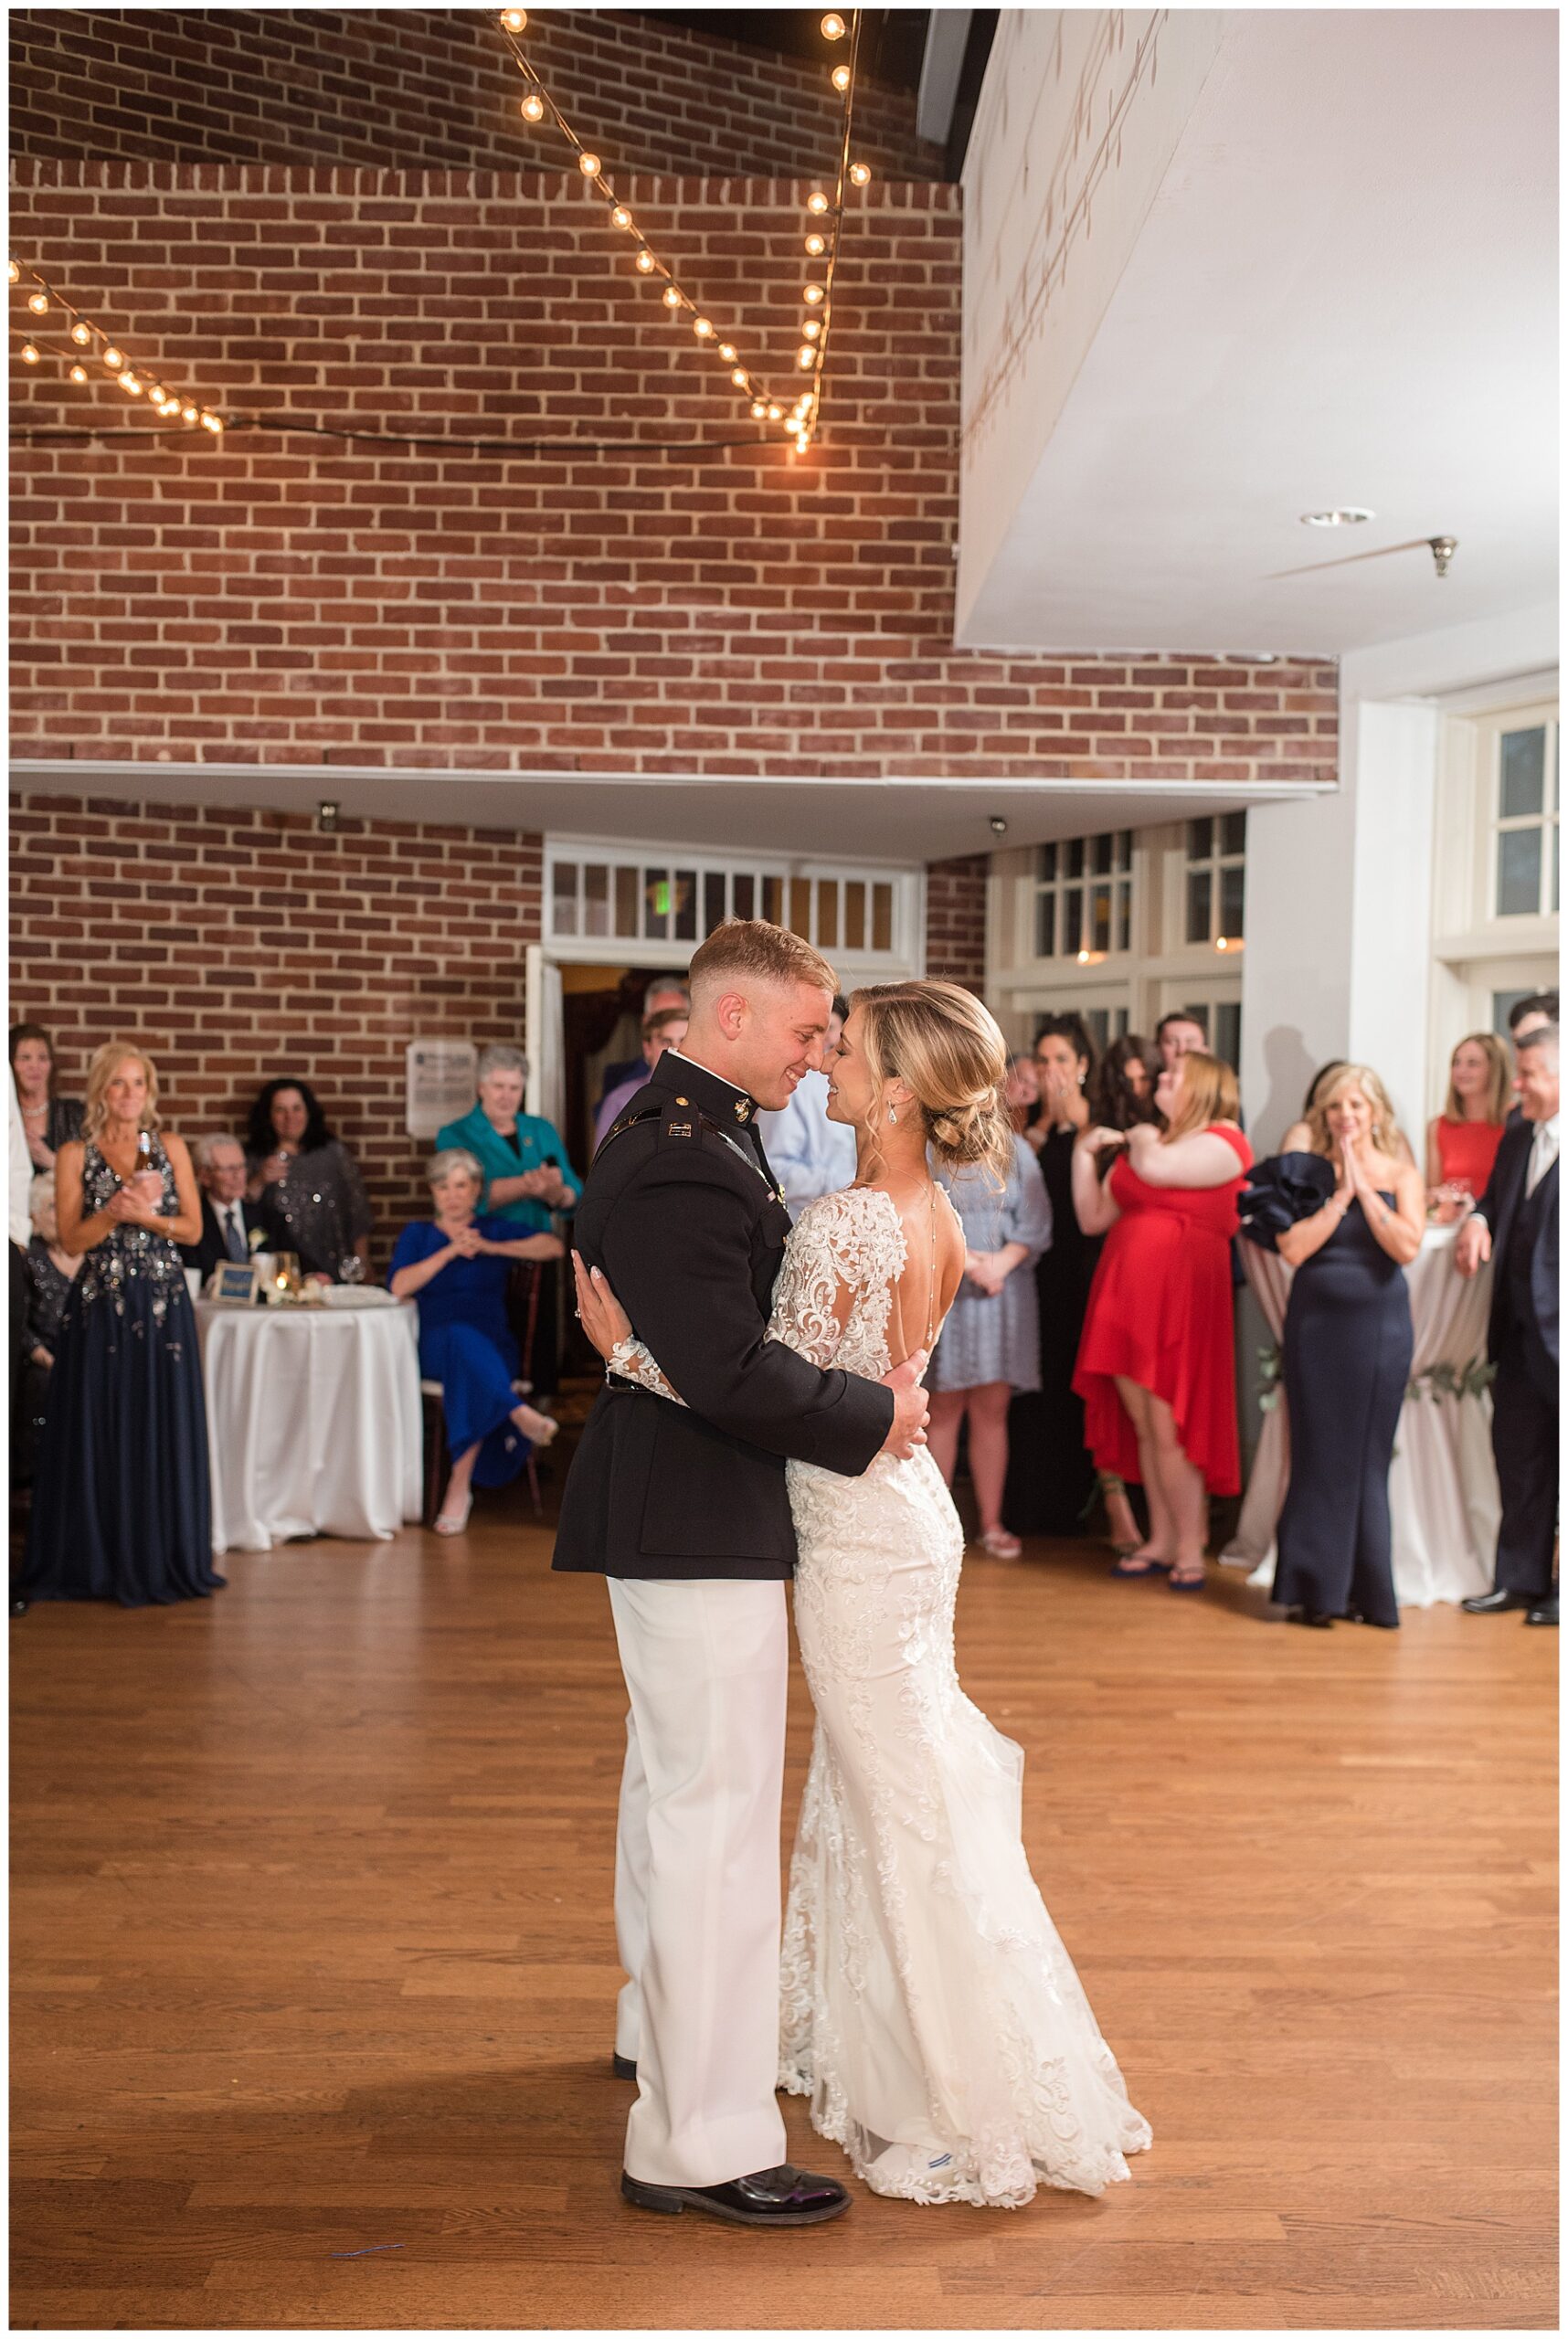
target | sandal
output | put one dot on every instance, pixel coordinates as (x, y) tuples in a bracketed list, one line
[(538, 1428), (1132, 1569), (1187, 1581), (999, 1545), (452, 1522)]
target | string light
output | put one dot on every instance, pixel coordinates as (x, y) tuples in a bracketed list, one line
[(832, 27), (702, 328), (860, 174), (816, 245), (817, 202), (741, 378), (516, 19), (646, 261), (621, 216), (672, 296), (590, 165), (842, 79), (811, 295), (811, 328), (726, 350), (532, 107), (758, 409), (81, 335)]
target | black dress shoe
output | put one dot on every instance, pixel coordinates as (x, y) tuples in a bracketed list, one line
[(1313, 1616), (773, 2197), (623, 2067), (1544, 1614), (1492, 1604), (19, 1605)]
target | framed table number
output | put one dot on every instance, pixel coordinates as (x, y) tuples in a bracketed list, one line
[(236, 1286)]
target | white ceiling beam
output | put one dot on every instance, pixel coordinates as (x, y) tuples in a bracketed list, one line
[(941, 70)]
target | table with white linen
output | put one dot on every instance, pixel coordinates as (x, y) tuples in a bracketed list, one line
[(314, 1421), (1441, 1485)]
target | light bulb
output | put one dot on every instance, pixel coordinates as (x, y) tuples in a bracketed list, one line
[(840, 79), (211, 422), (832, 27), (702, 328), (773, 413), (740, 378), (14, 271), (646, 262), (30, 354), (515, 19), (811, 328), (113, 358), (805, 354), (129, 382), (726, 350), (811, 295), (816, 245), (860, 174), (81, 335), (533, 107), (758, 408), (672, 297), (621, 216), (190, 413), (590, 165), (817, 202), (78, 373), (39, 303)]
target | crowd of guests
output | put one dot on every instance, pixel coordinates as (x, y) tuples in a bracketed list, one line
[(1088, 1359), (113, 1218)]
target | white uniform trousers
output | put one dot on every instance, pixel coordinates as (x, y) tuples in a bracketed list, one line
[(696, 1875)]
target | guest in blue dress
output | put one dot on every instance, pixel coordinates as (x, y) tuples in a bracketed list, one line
[(989, 1350), (457, 1265), (1348, 1217), (121, 1498)]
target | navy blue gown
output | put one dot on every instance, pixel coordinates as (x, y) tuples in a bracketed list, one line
[(1346, 1360), (466, 1344), (122, 1506)]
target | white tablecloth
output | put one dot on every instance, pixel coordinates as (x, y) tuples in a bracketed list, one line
[(313, 1422), (1442, 1487)]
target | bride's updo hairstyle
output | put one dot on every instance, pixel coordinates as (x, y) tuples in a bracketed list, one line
[(945, 1044)]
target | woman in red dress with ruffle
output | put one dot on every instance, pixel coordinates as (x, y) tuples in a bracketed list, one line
[(1157, 1364)]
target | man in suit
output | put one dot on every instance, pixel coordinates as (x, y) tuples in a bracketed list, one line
[(227, 1218), (664, 990), (1514, 1224), (685, 1508)]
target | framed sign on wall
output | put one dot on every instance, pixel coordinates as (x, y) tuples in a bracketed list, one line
[(441, 1084)]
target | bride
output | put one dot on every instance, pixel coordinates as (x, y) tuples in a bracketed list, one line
[(929, 2008)]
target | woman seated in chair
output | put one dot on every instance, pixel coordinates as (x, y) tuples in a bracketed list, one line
[(457, 1265)]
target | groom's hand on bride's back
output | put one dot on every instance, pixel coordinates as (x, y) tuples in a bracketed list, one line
[(911, 1410)]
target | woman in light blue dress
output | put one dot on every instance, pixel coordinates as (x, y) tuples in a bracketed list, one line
[(990, 1348)]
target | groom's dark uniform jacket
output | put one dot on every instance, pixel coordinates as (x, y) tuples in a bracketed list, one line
[(1522, 1342), (684, 1215)]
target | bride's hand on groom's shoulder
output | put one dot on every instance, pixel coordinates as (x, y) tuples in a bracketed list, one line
[(601, 1315)]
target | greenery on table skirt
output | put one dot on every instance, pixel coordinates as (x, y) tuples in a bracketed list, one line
[(1438, 1381)]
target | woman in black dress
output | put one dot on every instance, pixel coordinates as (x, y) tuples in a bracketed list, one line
[(308, 1185), (1348, 1216), (1050, 1475), (120, 1502), (48, 1119)]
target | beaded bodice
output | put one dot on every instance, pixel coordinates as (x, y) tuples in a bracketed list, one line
[(129, 1255)]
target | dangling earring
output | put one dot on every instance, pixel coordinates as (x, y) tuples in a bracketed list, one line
[(893, 1116)]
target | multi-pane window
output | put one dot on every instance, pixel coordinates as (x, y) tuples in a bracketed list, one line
[(1220, 1020), (1083, 899), (677, 898), (1526, 882), (1216, 879)]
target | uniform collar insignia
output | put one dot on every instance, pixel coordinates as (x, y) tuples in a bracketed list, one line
[(717, 1095)]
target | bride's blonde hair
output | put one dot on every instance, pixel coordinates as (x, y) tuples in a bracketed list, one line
[(945, 1044)]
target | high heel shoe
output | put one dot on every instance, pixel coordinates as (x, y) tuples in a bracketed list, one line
[(536, 1427), (998, 1544), (452, 1522)]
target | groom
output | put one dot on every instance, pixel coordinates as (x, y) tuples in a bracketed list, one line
[(685, 1508)]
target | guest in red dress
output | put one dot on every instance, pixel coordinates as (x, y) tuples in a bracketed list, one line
[(1462, 1142), (1157, 1364)]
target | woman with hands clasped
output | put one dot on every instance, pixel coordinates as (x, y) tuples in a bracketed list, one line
[(1348, 1216), (120, 1503), (1156, 1368), (457, 1266)]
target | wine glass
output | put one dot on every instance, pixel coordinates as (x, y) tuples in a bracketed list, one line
[(350, 1269)]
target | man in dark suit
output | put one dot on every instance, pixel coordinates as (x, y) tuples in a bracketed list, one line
[(685, 1508), (227, 1218), (1514, 1224)]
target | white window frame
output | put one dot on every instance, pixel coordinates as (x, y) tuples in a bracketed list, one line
[(904, 959), (1214, 861), (1117, 878)]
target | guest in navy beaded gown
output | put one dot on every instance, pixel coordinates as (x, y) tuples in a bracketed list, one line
[(120, 1498), (1347, 1218)]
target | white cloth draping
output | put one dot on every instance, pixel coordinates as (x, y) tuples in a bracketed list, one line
[(313, 1422), (1442, 1487)]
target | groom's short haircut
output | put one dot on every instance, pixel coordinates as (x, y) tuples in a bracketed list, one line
[(750, 950)]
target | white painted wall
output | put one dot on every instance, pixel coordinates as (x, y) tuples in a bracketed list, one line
[(1340, 891)]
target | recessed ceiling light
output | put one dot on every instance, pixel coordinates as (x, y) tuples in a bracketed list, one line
[(1347, 517)]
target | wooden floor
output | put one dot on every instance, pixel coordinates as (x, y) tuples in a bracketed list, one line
[(314, 1965)]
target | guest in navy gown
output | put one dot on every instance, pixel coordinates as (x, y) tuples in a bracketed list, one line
[(457, 1265), (121, 1501), (1348, 1216)]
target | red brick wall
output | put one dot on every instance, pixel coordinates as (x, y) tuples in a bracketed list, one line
[(430, 88), (238, 945), (284, 597), (956, 920)]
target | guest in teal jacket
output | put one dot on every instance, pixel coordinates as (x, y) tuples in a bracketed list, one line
[(526, 1172)]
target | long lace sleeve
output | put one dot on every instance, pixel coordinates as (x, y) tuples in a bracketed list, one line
[(833, 1297), (632, 1361)]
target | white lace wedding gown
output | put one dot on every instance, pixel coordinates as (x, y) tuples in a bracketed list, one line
[(929, 2010)]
